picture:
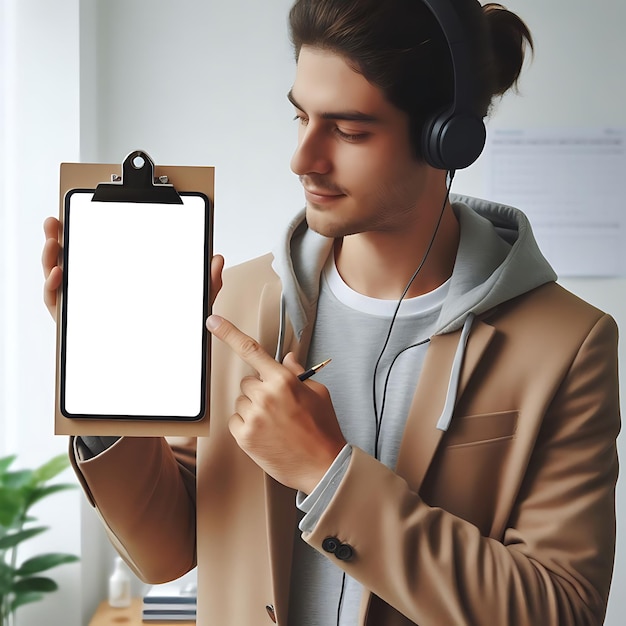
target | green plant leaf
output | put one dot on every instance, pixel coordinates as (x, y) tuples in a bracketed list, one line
[(18, 480), (13, 539), (44, 562), (25, 598), (5, 462), (11, 503), (34, 583), (42, 492), (6, 578), (19, 490), (52, 468)]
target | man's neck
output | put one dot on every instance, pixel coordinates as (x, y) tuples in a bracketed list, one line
[(380, 264)]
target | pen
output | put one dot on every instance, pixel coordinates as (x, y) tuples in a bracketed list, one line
[(310, 372)]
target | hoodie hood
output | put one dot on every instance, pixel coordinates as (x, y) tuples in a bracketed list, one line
[(497, 259)]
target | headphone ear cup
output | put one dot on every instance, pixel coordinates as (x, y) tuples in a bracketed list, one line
[(430, 142), (453, 142)]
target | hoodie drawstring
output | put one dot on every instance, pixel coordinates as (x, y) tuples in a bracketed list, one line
[(281, 330), (455, 374)]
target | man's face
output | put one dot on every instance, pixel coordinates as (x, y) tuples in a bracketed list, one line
[(354, 157)]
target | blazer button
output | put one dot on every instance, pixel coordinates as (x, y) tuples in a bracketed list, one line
[(344, 552), (271, 612), (330, 544)]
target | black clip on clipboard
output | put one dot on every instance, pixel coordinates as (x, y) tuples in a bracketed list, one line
[(134, 344), (137, 184)]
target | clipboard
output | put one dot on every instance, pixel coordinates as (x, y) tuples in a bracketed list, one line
[(133, 352)]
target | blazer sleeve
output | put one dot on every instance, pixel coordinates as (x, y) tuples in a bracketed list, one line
[(553, 565), (144, 491)]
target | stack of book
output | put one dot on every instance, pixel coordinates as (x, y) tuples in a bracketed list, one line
[(171, 602)]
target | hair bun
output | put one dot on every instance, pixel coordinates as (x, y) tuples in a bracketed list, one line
[(509, 38)]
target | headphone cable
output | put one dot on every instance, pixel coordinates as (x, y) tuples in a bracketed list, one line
[(379, 417)]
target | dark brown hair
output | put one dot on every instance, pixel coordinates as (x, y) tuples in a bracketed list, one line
[(399, 46)]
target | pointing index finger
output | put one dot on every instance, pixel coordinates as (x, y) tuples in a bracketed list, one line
[(247, 348)]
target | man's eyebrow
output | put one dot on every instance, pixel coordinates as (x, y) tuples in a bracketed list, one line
[(350, 116)]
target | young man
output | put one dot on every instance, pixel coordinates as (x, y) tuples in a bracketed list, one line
[(456, 462)]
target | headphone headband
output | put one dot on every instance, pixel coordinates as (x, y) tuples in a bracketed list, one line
[(454, 137)]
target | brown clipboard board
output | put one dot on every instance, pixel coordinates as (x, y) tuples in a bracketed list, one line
[(80, 176)]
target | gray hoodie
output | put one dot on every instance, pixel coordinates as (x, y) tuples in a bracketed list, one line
[(497, 260)]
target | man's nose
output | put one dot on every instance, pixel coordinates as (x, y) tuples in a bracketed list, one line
[(312, 154)]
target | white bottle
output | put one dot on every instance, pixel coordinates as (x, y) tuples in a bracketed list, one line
[(119, 585)]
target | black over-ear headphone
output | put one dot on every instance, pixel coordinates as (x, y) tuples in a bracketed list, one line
[(454, 137)]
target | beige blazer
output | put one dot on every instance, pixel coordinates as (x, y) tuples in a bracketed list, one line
[(506, 519)]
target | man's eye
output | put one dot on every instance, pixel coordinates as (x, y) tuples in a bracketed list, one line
[(352, 137), (302, 119)]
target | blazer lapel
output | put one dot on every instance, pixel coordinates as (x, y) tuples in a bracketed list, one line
[(421, 437)]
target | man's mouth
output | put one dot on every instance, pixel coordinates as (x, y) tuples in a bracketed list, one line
[(320, 192), (320, 196)]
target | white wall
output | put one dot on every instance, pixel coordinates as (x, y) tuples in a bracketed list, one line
[(203, 82), (39, 121)]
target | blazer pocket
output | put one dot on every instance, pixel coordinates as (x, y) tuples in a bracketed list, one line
[(465, 478), (471, 430)]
